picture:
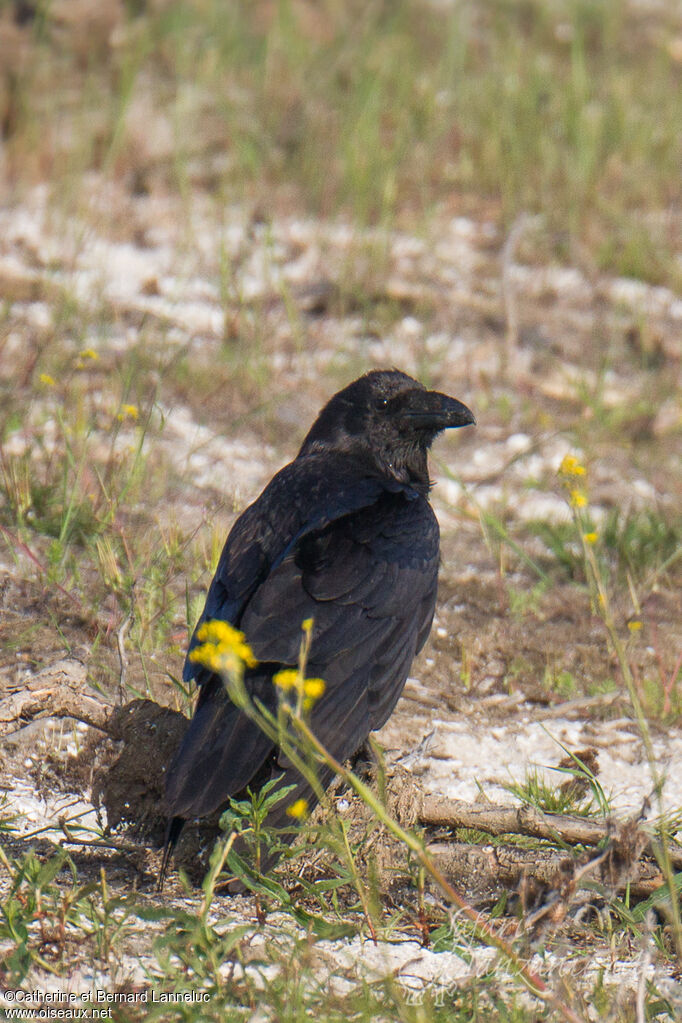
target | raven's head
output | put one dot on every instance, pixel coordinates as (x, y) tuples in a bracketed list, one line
[(388, 420)]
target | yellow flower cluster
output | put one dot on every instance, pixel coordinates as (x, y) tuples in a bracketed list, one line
[(570, 466), (286, 679), (221, 644), (128, 412), (313, 688), (290, 680), (570, 470), (87, 355), (298, 810)]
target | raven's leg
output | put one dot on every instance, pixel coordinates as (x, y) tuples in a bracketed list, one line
[(175, 826)]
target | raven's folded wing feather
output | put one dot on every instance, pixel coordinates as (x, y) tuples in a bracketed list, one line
[(220, 752), (368, 581)]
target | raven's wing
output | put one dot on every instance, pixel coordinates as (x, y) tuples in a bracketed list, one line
[(222, 749), (369, 582)]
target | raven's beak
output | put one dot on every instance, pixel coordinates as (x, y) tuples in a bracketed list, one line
[(430, 410)]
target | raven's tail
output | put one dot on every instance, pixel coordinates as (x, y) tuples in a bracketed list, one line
[(175, 826)]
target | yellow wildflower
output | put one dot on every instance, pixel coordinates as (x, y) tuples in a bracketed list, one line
[(314, 688), (208, 655), (307, 625), (128, 412), (578, 499), (634, 626), (298, 810), (286, 679), (590, 537), (47, 380), (570, 466), (89, 353), (291, 680), (221, 642)]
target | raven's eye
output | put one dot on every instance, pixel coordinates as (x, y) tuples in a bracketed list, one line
[(381, 404)]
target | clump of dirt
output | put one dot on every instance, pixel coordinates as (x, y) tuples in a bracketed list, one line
[(129, 779)]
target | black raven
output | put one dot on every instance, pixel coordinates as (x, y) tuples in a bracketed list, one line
[(344, 535)]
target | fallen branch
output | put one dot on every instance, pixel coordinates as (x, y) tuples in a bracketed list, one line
[(438, 811), (57, 692), (487, 869)]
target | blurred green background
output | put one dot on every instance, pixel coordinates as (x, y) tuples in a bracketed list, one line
[(385, 110)]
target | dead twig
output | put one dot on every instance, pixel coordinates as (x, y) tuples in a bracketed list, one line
[(572, 708), (120, 641), (91, 843)]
